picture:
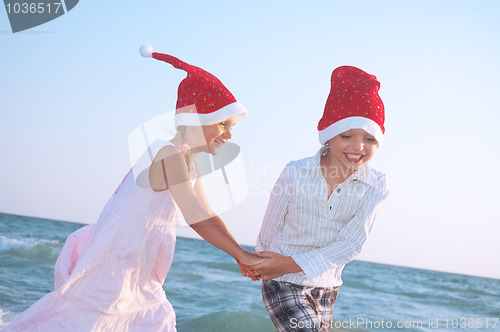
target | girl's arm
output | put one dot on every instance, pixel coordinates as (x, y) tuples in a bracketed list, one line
[(201, 219), (202, 198)]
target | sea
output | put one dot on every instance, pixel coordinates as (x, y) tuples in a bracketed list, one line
[(208, 292)]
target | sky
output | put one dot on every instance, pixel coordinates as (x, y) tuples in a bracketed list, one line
[(72, 91)]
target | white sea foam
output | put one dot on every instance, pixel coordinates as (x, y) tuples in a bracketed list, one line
[(2, 315), (7, 243)]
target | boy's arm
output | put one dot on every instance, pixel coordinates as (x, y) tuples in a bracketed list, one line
[(275, 265), (277, 209), (348, 243), (344, 249)]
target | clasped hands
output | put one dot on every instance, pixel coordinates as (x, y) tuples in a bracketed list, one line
[(271, 265)]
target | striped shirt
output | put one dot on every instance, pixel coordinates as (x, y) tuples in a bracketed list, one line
[(320, 233)]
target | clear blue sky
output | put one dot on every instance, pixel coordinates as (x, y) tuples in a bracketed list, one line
[(73, 89)]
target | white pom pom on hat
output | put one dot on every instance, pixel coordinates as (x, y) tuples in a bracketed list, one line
[(146, 51), (212, 101)]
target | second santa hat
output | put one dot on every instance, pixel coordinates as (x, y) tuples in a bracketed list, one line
[(353, 103), (202, 99)]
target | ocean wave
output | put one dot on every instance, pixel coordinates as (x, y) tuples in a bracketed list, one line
[(34, 249), (26, 243)]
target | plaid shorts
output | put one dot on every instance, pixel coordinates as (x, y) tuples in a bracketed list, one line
[(299, 308)]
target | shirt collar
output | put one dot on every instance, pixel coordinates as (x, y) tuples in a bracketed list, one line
[(364, 174)]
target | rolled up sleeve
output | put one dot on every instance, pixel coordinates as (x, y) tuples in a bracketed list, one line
[(276, 211)]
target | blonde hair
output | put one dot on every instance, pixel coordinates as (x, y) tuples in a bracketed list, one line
[(182, 131)]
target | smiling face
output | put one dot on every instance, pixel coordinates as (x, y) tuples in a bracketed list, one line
[(352, 149), (218, 134)]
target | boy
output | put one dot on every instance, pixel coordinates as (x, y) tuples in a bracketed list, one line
[(323, 208)]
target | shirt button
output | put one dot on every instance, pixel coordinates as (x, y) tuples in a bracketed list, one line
[(338, 190), (330, 207)]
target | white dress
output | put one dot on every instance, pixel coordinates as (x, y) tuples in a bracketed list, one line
[(109, 275)]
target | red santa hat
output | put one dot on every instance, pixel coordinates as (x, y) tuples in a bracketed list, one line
[(353, 103), (202, 99)]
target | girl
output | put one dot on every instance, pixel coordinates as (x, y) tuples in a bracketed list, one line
[(109, 275), (323, 208)]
